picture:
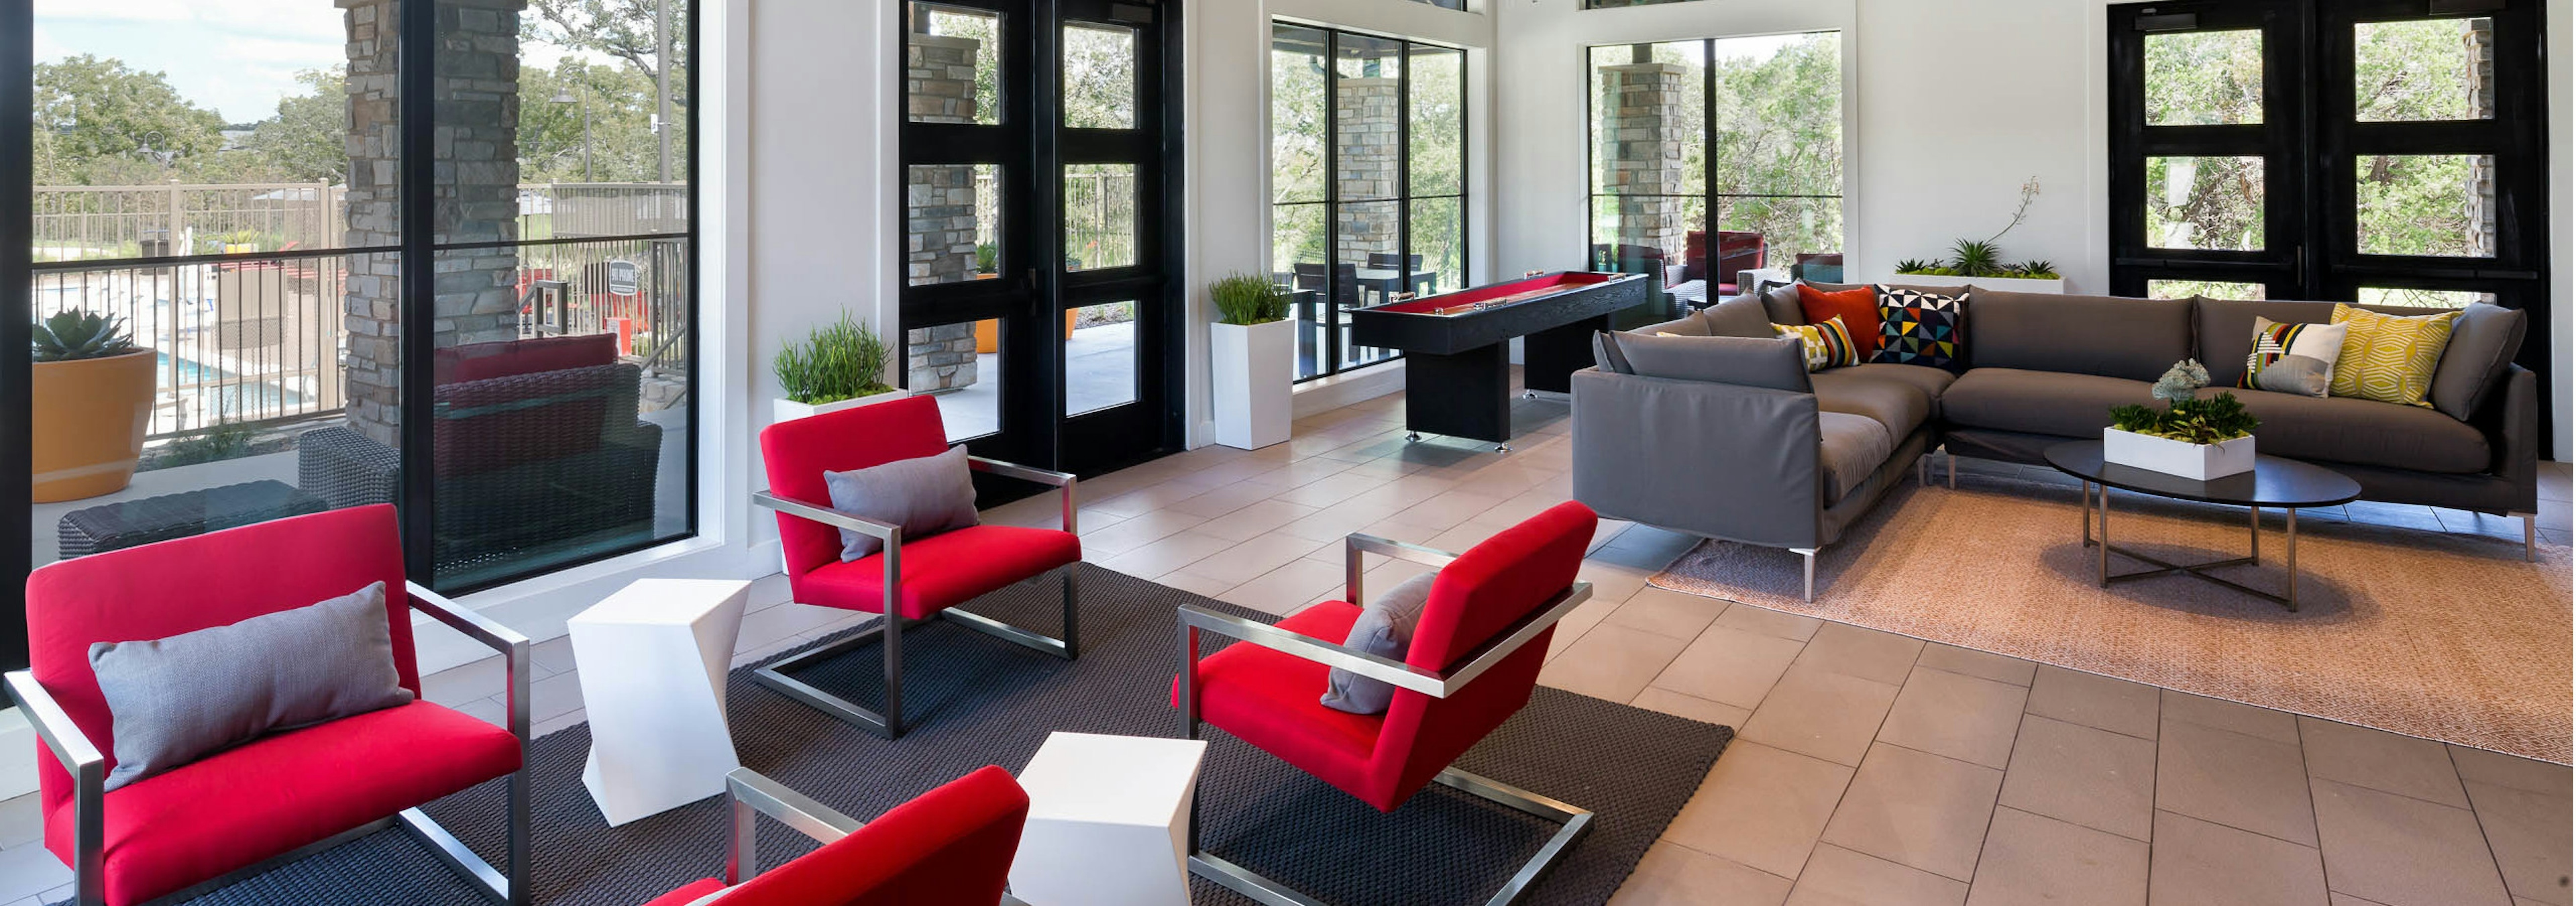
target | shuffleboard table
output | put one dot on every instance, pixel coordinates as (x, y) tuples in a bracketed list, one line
[(1457, 346)]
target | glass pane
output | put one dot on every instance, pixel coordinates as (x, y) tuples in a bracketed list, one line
[(1438, 116), (2205, 203), (1297, 115), (1777, 146), (1099, 76), (952, 65), (1615, 220), (961, 364), (1371, 269), (2426, 204), (1439, 228), (2426, 69), (1366, 116), (1099, 216), (2215, 289), (952, 221), (2423, 298), (1649, 107), (2204, 78), (1099, 357)]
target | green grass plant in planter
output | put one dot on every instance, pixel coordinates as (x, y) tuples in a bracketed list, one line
[(2187, 417), (844, 360), (1248, 299)]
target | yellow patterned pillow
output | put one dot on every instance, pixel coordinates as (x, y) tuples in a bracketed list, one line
[(1829, 345), (2389, 358)]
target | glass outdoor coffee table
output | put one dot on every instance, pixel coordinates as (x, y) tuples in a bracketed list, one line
[(2275, 482)]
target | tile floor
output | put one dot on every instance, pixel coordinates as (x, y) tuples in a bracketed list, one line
[(1871, 768)]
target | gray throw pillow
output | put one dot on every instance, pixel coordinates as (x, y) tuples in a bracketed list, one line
[(1739, 316), (925, 495), (2483, 343), (1605, 353), (172, 701), (1385, 629)]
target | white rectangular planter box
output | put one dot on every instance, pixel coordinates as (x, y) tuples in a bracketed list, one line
[(1998, 284), (2199, 462), (1254, 366), (782, 409)]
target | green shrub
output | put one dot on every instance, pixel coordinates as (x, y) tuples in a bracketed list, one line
[(1248, 299), (842, 361), (2187, 418)]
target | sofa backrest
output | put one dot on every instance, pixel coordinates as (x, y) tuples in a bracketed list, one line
[(2109, 336), (2482, 343)]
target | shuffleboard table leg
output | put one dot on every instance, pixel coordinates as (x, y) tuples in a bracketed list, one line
[(1466, 394)]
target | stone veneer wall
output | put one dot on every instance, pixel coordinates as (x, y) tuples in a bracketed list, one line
[(2480, 41), (477, 198), (939, 208), (1368, 164), (1642, 143)]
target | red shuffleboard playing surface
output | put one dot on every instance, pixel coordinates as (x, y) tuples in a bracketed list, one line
[(1490, 296)]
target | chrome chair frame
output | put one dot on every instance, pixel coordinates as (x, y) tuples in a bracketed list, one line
[(88, 768), (1193, 620), (754, 795), (889, 723)]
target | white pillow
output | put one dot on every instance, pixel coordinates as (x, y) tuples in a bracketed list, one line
[(2294, 358)]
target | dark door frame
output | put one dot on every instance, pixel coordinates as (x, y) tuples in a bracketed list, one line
[(17, 317)]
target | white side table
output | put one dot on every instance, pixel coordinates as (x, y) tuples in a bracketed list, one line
[(1109, 821), (652, 659)]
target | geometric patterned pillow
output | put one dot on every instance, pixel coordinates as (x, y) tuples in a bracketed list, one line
[(1828, 345), (2389, 358), (2293, 358), (1920, 328)]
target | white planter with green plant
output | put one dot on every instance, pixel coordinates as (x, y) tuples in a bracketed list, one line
[(2195, 438), (1252, 351), (841, 366), (1981, 264)]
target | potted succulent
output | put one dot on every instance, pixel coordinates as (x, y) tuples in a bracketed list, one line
[(1252, 348), (2195, 438), (93, 403), (1980, 262), (840, 366)]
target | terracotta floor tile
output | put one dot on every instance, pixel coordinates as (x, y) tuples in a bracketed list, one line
[(1612, 662), (1669, 613), (1840, 877), (2382, 761), (2237, 780), (2481, 766), (1748, 618), (1671, 875), (2277, 726), (2403, 851), (1724, 665), (2074, 696), (1978, 664), (2528, 833), (1823, 714), (2087, 776), (1692, 706), (1957, 715), (2197, 863), (1866, 653), (1762, 807), (2040, 861)]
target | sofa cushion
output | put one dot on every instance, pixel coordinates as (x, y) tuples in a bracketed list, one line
[(2483, 343), (1740, 316), (1779, 363), (1850, 447), (2039, 402), (1781, 302), (2225, 330), (2390, 358), (1858, 309), (2362, 432), (2108, 336), (1932, 381), (1892, 402)]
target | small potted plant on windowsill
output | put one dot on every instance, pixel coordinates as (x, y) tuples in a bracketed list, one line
[(93, 403), (1252, 348), (840, 366), (1980, 262), (2195, 438)]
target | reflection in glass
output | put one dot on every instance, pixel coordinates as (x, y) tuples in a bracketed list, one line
[(2424, 69), (2422, 298), (2425, 204), (1099, 76), (2204, 78), (2205, 203), (1099, 216), (1439, 229), (1297, 115), (952, 222), (1437, 141), (1369, 268), (961, 364), (952, 65), (2215, 289), (1099, 357)]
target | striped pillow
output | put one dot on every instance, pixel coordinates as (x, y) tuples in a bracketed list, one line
[(1829, 345), (2293, 358), (2389, 358)]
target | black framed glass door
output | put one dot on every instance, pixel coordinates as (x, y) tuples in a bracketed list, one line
[(1041, 290)]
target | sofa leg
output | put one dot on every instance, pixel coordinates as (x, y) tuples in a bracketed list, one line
[(1808, 555), (2530, 537), (1954, 469), (1923, 470)]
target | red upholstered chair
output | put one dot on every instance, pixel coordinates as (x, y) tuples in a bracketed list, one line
[(1737, 252), (171, 836), (950, 847), (911, 579), (1474, 659)]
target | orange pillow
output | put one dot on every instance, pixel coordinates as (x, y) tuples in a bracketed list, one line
[(1858, 308)]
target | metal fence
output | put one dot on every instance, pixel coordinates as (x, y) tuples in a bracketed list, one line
[(1099, 214), (248, 339)]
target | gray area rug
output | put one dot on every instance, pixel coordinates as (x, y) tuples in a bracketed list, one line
[(975, 700)]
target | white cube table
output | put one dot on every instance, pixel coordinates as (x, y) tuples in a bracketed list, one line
[(1109, 821), (652, 662)]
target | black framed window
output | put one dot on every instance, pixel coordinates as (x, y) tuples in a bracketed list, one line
[(1710, 157), (1368, 139)]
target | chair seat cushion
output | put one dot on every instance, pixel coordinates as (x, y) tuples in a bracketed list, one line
[(1850, 448), (943, 570), (1271, 700), (241, 806)]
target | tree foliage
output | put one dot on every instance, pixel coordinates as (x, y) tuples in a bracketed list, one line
[(98, 120)]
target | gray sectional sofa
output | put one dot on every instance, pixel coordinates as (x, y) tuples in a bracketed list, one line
[(1706, 425)]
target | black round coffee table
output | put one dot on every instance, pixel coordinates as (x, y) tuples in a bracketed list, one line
[(2275, 482)]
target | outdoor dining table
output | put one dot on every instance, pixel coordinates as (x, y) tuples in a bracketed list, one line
[(1389, 281)]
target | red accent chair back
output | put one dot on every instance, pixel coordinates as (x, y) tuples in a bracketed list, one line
[(1738, 252), (1477, 597), (952, 846), (798, 452), (161, 590)]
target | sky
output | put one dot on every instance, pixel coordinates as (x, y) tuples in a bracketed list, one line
[(236, 57)]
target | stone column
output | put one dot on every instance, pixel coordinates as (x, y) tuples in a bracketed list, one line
[(939, 208), (1642, 143), (2479, 42), (1368, 165), (477, 198)]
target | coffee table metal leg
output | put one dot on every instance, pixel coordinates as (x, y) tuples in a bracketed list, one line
[(2102, 564), (2088, 514), (2293, 557), (2254, 535)]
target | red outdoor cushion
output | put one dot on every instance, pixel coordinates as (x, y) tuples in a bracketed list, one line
[(251, 803), (1857, 306), (951, 846), (481, 361), (1273, 701), (942, 570), (498, 422)]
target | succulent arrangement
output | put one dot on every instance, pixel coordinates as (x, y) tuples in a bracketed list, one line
[(1984, 257), (1248, 299), (72, 336), (2186, 416), (842, 361)]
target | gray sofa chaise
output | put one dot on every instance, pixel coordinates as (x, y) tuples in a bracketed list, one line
[(1704, 426)]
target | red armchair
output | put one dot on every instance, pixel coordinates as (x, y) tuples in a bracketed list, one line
[(950, 847), (1474, 659), (171, 836), (907, 581)]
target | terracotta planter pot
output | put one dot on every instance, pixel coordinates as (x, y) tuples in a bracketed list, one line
[(90, 418)]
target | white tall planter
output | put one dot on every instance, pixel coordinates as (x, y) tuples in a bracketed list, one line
[(1254, 365), (2200, 462), (782, 409)]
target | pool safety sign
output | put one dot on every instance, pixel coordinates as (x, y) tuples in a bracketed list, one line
[(621, 277)]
